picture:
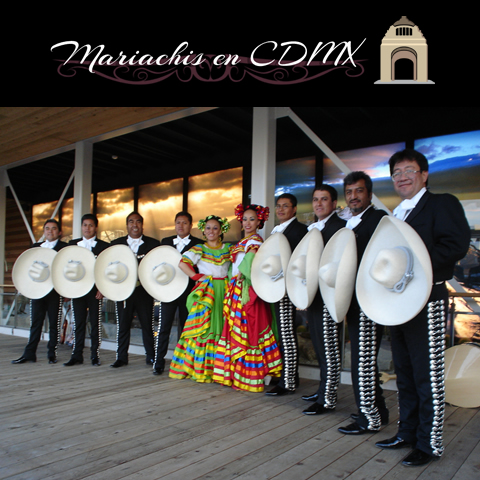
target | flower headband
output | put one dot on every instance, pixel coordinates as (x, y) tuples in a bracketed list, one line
[(224, 224), (262, 212)]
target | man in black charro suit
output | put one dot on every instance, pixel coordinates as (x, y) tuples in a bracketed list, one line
[(365, 335), (418, 345), (91, 303), (140, 301), (182, 241), (50, 303), (324, 204), (286, 209)]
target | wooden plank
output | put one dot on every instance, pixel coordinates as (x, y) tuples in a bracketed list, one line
[(100, 423), (470, 470)]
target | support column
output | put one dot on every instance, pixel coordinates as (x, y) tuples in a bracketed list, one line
[(263, 162), (82, 186), (3, 213)]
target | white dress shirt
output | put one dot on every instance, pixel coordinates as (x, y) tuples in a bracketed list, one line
[(356, 219), (281, 228)]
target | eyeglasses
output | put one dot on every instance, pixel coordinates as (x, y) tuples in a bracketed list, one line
[(281, 207), (410, 174)]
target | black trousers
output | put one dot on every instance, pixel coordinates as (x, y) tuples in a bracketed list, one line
[(86, 307), (142, 303), (166, 318), (365, 338), (51, 304), (325, 334), (418, 355)]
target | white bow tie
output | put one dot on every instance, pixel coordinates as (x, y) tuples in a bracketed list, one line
[(48, 244), (353, 222), (320, 225), (279, 228), (408, 204), (134, 243), (181, 242), (404, 208), (87, 243)]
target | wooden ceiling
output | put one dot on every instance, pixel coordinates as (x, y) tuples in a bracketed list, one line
[(127, 154), (29, 131)]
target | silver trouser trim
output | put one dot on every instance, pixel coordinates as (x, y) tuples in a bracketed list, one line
[(436, 331), (287, 335), (367, 373), (332, 357)]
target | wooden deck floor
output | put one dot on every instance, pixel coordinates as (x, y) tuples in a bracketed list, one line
[(84, 422)]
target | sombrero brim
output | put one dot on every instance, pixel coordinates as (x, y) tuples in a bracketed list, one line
[(22, 281), (65, 287), (302, 291), (111, 290), (269, 290), (340, 251), (377, 302), (170, 256)]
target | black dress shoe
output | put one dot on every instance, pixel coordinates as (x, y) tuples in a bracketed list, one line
[(72, 362), (393, 443), (417, 458), (52, 359), (96, 362), (22, 360), (355, 429), (118, 364), (317, 409), (158, 371), (310, 398), (277, 391)]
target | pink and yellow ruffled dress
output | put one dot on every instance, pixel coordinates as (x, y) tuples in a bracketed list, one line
[(247, 350)]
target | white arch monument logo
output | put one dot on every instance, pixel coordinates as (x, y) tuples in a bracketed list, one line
[(404, 41)]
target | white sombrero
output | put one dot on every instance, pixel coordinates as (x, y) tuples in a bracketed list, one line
[(395, 276), (337, 272), (462, 370), (116, 272), (269, 266), (302, 270), (32, 272), (159, 274), (73, 271)]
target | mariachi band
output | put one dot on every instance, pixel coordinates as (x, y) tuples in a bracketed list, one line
[(237, 301)]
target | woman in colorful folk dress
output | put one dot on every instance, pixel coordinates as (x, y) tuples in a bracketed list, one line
[(195, 351), (247, 350)]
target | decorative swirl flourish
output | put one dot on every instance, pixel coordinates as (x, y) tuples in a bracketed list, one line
[(207, 71)]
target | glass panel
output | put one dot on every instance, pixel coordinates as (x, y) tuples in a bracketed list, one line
[(41, 213), (297, 177), (454, 167), (216, 193), (112, 210), (158, 203), (67, 219), (373, 161)]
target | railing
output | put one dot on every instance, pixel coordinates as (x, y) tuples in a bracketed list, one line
[(452, 312), (10, 294)]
